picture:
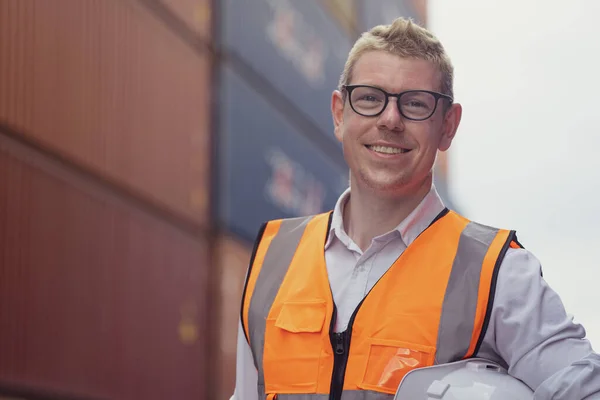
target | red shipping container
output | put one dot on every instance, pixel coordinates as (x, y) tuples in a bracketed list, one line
[(113, 88), (195, 13), (98, 298)]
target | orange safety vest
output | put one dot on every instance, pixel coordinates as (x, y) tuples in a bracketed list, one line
[(431, 307)]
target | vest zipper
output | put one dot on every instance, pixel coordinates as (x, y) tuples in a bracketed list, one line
[(340, 342), (340, 359), (340, 355)]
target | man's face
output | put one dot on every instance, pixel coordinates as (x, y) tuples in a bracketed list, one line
[(366, 141)]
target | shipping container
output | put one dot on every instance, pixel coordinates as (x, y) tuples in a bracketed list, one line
[(196, 14), (233, 257), (267, 168), (293, 50), (388, 10), (420, 9), (110, 86), (101, 297), (345, 13)]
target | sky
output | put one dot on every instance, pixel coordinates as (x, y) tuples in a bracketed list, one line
[(527, 73)]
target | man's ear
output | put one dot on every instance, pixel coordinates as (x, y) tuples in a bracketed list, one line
[(450, 126), (337, 112)]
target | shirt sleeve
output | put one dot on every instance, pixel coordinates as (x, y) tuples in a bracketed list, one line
[(532, 335), (246, 376)]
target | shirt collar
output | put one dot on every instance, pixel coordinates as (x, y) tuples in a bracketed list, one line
[(412, 226)]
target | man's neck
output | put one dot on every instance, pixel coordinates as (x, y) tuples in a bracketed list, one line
[(367, 215)]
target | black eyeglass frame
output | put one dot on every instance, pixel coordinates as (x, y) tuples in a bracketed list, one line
[(436, 95)]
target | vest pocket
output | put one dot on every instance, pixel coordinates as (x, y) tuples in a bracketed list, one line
[(293, 347), (300, 317), (389, 360)]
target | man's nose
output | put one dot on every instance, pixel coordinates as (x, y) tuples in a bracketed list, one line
[(391, 119)]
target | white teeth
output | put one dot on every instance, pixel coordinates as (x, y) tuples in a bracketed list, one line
[(387, 150)]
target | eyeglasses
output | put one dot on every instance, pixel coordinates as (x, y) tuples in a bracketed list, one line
[(416, 105)]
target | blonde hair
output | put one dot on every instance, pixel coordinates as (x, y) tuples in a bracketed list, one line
[(403, 38)]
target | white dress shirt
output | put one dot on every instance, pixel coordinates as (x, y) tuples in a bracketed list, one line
[(529, 332)]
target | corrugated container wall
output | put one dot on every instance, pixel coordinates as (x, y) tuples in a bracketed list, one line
[(109, 86), (97, 298), (104, 188)]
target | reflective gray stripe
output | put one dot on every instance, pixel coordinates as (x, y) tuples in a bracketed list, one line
[(275, 265), (303, 397), (460, 301), (346, 395), (365, 395)]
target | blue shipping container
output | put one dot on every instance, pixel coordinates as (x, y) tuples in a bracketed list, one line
[(295, 45), (378, 12), (267, 168)]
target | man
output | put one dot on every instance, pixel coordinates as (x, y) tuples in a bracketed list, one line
[(342, 305)]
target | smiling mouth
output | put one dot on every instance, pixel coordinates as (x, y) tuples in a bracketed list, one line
[(387, 150)]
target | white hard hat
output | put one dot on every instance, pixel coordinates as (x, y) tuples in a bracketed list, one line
[(471, 379)]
